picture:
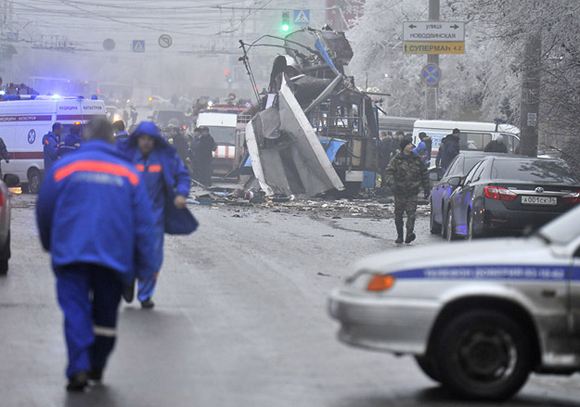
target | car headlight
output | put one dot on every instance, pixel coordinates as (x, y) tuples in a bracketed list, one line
[(380, 282), (365, 280)]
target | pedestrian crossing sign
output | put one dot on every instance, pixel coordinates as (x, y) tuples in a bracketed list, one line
[(302, 17), (139, 46)]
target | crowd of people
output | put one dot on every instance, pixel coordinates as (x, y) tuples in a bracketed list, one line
[(195, 150)]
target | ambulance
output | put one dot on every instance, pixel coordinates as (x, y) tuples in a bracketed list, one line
[(24, 120), (226, 125)]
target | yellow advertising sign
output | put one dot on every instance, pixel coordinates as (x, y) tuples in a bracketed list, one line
[(434, 48)]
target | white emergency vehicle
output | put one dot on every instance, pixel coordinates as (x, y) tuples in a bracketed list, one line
[(226, 126), (474, 136), (478, 317), (24, 120)]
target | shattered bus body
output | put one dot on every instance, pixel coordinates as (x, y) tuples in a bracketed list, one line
[(287, 156), (316, 131)]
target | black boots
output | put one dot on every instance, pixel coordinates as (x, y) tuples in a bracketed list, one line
[(147, 304), (96, 375), (410, 235), (78, 382), (399, 233)]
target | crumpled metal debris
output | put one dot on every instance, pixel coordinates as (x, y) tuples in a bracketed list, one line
[(287, 157)]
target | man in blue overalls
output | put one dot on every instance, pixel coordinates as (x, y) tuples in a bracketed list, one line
[(168, 184), (50, 143), (95, 218)]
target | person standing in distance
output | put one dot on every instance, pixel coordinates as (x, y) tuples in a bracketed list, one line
[(448, 150), (51, 143), (72, 141), (406, 175), (95, 219), (203, 148), (121, 133), (423, 150)]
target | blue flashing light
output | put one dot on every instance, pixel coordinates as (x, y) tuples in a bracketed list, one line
[(94, 97)]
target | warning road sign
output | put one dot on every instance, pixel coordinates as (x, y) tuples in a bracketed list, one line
[(302, 17), (165, 41), (138, 46), (434, 48)]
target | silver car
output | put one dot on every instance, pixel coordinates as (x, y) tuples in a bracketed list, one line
[(479, 317)]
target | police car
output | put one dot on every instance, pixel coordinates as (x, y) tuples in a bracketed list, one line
[(479, 317)]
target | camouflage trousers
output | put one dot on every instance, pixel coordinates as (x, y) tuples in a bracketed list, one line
[(405, 204)]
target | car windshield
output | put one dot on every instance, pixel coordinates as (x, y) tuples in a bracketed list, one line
[(223, 135), (470, 163), (534, 171), (564, 229)]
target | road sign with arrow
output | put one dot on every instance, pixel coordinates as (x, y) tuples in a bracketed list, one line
[(434, 37)]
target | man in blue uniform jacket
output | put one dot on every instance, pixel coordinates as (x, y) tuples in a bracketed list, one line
[(95, 218), (72, 141), (50, 143), (168, 184)]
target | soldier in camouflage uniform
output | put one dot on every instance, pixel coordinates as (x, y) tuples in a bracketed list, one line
[(405, 176)]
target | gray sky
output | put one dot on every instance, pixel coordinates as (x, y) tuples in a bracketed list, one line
[(190, 22), (195, 25)]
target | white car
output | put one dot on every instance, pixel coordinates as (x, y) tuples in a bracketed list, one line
[(479, 317)]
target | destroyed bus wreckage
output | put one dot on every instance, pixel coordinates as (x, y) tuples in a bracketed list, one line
[(315, 131)]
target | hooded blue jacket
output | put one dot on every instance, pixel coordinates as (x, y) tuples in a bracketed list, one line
[(175, 175), (93, 208)]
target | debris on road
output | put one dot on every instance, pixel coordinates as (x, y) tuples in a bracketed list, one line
[(372, 207)]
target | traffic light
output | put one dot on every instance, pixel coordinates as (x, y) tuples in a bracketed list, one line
[(285, 23), (228, 75)]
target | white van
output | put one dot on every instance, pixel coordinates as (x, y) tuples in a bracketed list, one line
[(223, 127), (24, 120), (474, 135)]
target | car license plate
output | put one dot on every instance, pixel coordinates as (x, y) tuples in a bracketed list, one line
[(540, 200)]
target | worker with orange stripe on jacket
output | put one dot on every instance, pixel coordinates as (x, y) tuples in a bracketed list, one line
[(168, 183), (95, 218)]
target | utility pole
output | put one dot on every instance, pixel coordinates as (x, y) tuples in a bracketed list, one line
[(530, 106), (3, 24), (432, 92)]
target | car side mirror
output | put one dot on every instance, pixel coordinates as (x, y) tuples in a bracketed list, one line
[(456, 181), (434, 175)]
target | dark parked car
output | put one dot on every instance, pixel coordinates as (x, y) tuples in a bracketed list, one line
[(441, 191), (511, 195)]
